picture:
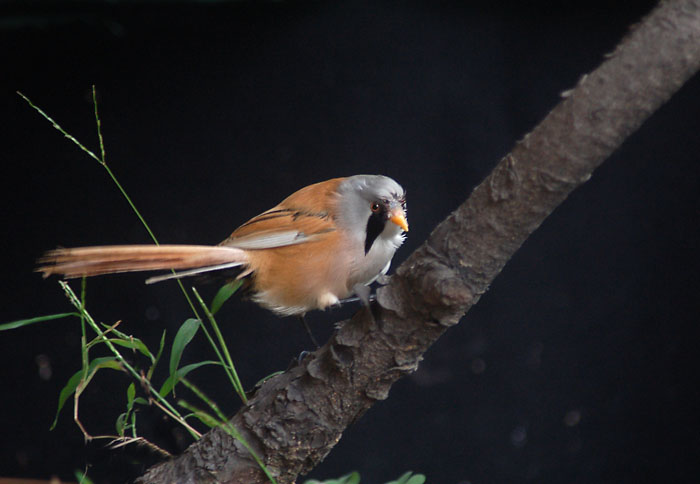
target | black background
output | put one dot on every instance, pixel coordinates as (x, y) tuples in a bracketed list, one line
[(579, 365)]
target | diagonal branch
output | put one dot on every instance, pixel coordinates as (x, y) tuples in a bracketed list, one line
[(295, 418)]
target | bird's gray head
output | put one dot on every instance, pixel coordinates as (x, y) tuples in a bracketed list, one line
[(372, 206)]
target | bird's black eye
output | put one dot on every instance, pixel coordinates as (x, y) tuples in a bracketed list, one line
[(374, 207)]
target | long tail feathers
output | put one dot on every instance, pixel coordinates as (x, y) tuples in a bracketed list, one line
[(94, 261)]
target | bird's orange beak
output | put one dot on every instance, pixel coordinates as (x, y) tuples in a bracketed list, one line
[(399, 218)]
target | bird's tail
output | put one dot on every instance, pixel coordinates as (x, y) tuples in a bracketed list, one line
[(95, 261)]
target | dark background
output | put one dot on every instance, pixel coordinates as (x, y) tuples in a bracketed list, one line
[(579, 365)]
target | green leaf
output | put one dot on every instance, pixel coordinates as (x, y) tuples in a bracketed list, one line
[(127, 341), (82, 477), (76, 379), (416, 479), (352, 478), (172, 380), (66, 392), (110, 362), (26, 322), (182, 338), (130, 394), (224, 294), (112, 329), (204, 417), (131, 343), (121, 423), (265, 378)]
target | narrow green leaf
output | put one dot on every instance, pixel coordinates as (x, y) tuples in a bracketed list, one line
[(104, 362), (160, 348), (141, 401), (66, 392), (352, 478), (182, 338), (112, 329), (204, 417), (26, 322), (265, 378), (416, 479), (223, 351), (130, 394), (74, 381), (128, 341), (132, 343), (172, 380), (224, 294), (155, 360), (121, 424), (134, 433), (82, 477)]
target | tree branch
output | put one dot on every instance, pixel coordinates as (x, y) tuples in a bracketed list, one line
[(295, 418)]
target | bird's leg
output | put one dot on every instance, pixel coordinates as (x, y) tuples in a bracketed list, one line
[(363, 294), (308, 331)]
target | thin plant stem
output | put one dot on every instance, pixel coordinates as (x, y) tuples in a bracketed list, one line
[(102, 161), (202, 396), (228, 427), (228, 363), (159, 400), (83, 337)]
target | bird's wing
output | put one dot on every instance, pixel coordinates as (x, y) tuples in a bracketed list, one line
[(304, 216), (280, 228)]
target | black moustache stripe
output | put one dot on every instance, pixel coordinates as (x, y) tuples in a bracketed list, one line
[(375, 225)]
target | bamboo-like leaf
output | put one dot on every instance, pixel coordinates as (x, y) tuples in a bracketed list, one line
[(161, 346), (265, 378), (182, 338), (204, 417), (132, 343), (223, 295), (120, 424), (172, 380), (26, 322), (76, 379), (130, 394), (66, 392), (128, 341), (416, 479), (352, 478), (82, 477)]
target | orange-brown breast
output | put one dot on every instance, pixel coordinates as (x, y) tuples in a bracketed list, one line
[(295, 276)]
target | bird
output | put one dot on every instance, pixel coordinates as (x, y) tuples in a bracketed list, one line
[(322, 244)]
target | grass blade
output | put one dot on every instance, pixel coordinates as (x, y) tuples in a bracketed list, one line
[(224, 294), (182, 339), (228, 362), (172, 380), (26, 322), (77, 379), (66, 392), (149, 374)]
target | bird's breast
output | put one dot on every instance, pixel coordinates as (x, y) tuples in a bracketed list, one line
[(367, 267), (299, 278)]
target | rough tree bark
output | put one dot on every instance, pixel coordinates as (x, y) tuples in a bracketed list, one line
[(295, 418)]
